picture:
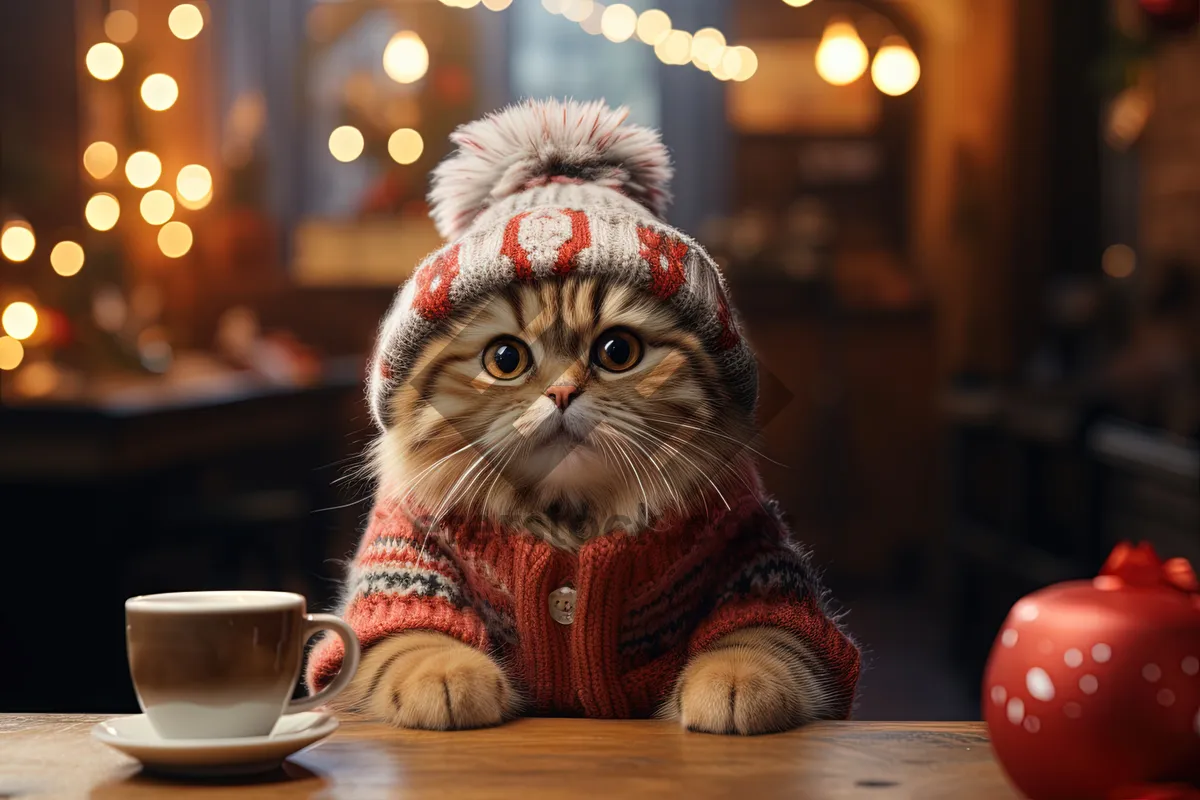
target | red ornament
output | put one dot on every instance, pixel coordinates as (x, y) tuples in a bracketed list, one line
[(1092, 689)]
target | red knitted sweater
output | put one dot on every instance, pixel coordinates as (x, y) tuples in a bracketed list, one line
[(644, 603)]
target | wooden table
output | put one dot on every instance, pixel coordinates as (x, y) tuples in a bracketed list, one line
[(54, 756)]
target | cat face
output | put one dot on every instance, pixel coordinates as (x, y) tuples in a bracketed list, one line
[(574, 398)]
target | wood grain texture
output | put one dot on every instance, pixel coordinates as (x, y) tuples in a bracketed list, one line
[(54, 756)]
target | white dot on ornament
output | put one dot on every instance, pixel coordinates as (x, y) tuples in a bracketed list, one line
[(1166, 697), (1101, 653), (1088, 684), (1015, 710), (1151, 672), (999, 695), (1033, 724), (1073, 657), (1008, 638), (1039, 684), (1027, 612), (1190, 665), (1073, 710)]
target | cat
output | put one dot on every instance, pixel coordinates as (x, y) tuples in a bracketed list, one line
[(576, 431)]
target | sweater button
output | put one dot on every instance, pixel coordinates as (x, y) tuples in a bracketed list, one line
[(562, 605)]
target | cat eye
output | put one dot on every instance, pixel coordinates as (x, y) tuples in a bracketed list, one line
[(617, 350), (507, 358)]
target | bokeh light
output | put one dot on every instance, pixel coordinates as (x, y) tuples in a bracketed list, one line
[(708, 45), (653, 26), (104, 61), (20, 320), (1119, 261), (193, 183), (175, 239), (797, 3), (194, 205), (746, 63), (591, 24), (497, 5), (121, 25), (618, 23), (676, 48), (100, 159), (39, 379), (143, 169), (102, 211), (405, 59), (159, 91), (895, 70), (157, 207), (17, 241), (346, 143), (67, 258), (841, 56), (11, 353), (185, 21), (553, 6), (405, 146), (577, 10)]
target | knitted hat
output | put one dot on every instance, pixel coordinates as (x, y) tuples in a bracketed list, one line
[(545, 189)]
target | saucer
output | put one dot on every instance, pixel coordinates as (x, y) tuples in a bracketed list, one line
[(134, 736)]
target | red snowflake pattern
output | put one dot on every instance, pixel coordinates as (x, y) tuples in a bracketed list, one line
[(432, 298), (664, 254), (729, 335), (568, 253)]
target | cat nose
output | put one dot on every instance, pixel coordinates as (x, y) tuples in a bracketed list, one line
[(562, 394)]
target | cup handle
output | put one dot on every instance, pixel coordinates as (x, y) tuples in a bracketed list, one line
[(328, 622)]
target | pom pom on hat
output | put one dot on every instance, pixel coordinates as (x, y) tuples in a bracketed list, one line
[(538, 142)]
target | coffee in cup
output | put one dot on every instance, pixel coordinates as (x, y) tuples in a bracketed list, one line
[(225, 664)]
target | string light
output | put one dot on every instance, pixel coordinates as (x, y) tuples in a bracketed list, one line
[(618, 23), (11, 353), (104, 61), (405, 59), (159, 92), (797, 3), (577, 10), (708, 45), (143, 169), (66, 258), (676, 48), (121, 25), (346, 143), (405, 146), (841, 56), (185, 21), (20, 320), (653, 26), (746, 63), (102, 211), (175, 239), (100, 159), (193, 183), (157, 207), (496, 5), (17, 241), (553, 6), (194, 205), (591, 23), (895, 70)]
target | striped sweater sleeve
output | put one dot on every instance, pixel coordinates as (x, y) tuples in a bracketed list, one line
[(400, 580), (769, 582)]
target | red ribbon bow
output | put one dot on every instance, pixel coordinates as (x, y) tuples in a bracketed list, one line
[(1140, 566)]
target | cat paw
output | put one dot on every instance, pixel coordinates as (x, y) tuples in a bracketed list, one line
[(435, 682), (742, 686)]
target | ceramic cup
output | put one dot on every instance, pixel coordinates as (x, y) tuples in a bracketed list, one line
[(209, 665)]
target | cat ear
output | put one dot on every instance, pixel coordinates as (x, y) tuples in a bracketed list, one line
[(537, 142)]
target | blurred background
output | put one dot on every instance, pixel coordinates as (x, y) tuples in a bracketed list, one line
[(964, 234)]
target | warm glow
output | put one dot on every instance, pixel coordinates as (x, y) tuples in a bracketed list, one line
[(744, 66), (102, 211), (20, 320), (120, 25), (143, 169), (675, 49), (38, 379), (577, 10), (159, 92), (193, 183), (405, 59), (157, 207), (346, 143), (895, 69), (591, 24), (17, 241), (11, 353), (66, 258), (185, 21), (405, 146), (1119, 261), (618, 22), (104, 61), (175, 239), (553, 6), (497, 5), (100, 159), (707, 47), (194, 205), (841, 56), (797, 3), (653, 26)]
